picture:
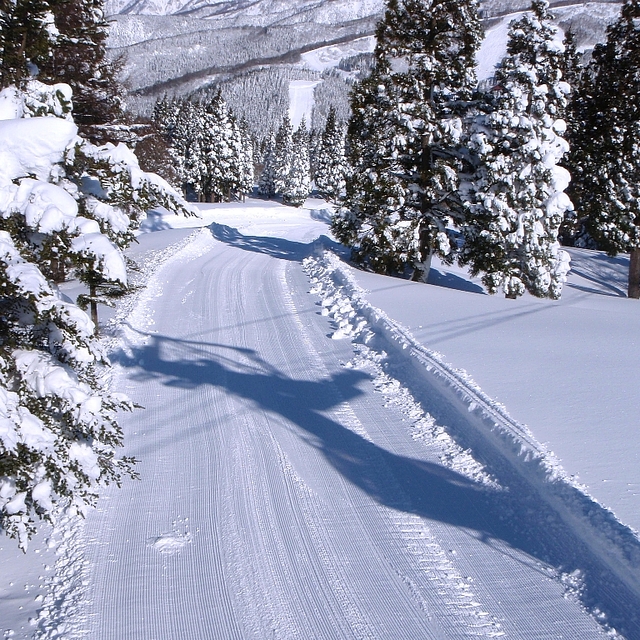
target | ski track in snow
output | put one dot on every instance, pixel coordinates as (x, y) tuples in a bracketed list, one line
[(294, 486), (62, 613)]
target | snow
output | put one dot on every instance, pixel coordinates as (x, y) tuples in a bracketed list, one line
[(10, 104), (106, 255), (301, 100), (31, 146), (293, 484), (46, 207), (329, 57), (494, 45)]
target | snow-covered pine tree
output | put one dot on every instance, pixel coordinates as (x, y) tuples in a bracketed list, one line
[(62, 200), (282, 155), (165, 115), (331, 162), (219, 150), (425, 62), (266, 182), (517, 194), (79, 59), (116, 193), (298, 182), (186, 142), (315, 143), (370, 220), (246, 159), (237, 166), (27, 36), (571, 60), (605, 154)]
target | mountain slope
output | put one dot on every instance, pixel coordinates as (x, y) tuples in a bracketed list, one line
[(253, 49)]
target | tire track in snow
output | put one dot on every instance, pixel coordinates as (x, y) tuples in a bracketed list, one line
[(325, 608)]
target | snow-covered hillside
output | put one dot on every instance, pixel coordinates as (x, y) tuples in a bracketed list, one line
[(331, 11), (249, 48), (317, 458)]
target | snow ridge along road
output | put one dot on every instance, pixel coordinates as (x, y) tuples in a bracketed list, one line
[(298, 486), (598, 555)]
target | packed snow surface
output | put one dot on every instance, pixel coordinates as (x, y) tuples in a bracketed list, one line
[(327, 453), (329, 57), (301, 101)]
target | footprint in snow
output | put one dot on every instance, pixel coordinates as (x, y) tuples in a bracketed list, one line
[(170, 543)]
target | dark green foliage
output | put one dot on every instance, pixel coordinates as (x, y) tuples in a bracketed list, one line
[(406, 136), (26, 39), (604, 134), (79, 59), (374, 190)]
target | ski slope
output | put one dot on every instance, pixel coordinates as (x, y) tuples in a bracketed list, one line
[(308, 469), (301, 100)]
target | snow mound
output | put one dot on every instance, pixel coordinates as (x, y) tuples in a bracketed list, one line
[(33, 146)]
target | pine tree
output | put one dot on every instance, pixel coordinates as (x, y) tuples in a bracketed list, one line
[(246, 159), (165, 115), (79, 59), (298, 182), (517, 194), (222, 146), (571, 61), (266, 182), (315, 144), (27, 36), (156, 151), (370, 220), (64, 201), (212, 151), (282, 155), (331, 163), (605, 156), (425, 61), (186, 145)]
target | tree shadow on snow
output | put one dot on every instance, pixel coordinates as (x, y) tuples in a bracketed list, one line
[(608, 276), (154, 222), (452, 281), (298, 251), (274, 247), (515, 514)]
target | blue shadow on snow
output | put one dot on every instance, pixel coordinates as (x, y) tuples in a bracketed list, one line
[(514, 514)]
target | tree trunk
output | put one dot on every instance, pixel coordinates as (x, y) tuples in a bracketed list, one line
[(94, 308), (421, 270), (58, 271), (634, 274)]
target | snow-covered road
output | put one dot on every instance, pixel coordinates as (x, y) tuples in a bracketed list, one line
[(308, 469), (291, 488)]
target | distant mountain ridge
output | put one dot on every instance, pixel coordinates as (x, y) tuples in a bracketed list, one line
[(253, 49), (275, 10)]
